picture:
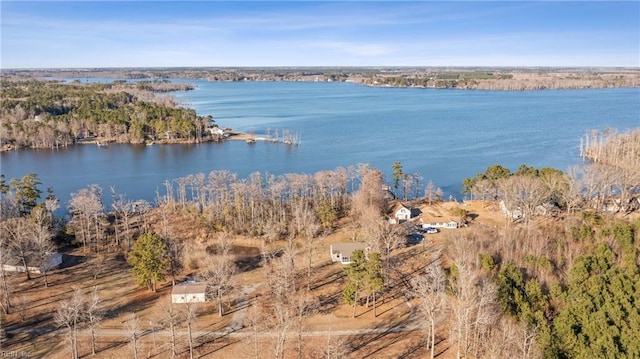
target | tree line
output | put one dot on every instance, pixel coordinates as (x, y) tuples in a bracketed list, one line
[(481, 78), (502, 80), (528, 191)]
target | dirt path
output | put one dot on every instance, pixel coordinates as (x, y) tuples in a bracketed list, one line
[(242, 304)]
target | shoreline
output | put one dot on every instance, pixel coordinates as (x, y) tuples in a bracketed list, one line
[(101, 142)]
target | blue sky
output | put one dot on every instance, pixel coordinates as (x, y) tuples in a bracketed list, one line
[(54, 34)]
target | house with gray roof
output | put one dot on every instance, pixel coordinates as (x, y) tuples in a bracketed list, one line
[(341, 252)]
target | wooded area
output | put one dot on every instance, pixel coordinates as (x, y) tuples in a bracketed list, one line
[(51, 114)]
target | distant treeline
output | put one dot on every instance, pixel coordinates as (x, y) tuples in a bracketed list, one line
[(505, 81), (481, 78)]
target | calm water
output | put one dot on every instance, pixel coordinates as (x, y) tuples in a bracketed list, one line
[(445, 135)]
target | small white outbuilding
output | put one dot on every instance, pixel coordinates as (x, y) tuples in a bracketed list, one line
[(189, 292), (51, 261)]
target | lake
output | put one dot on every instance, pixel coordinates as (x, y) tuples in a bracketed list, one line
[(444, 135)]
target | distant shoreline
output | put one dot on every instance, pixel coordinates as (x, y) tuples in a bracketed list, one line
[(467, 78)]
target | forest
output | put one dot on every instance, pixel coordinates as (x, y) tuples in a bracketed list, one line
[(52, 114), (555, 275)]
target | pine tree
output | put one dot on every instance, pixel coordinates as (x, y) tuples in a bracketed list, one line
[(374, 279), (398, 174), (149, 260), (27, 192), (356, 278)]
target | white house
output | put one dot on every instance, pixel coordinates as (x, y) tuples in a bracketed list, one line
[(515, 214), (189, 292), (403, 213), (216, 131), (341, 252), (448, 224)]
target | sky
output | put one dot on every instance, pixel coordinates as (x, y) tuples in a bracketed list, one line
[(82, 34)]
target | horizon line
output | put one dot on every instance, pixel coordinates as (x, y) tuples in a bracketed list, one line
[(88, 68)]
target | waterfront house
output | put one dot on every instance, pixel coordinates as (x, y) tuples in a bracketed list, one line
[(439, 222), (515, 214), (341, 252), (402, 212), (189, 292), (216, 131)]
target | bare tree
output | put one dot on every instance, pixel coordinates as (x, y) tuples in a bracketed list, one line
[(87, 210), (19, 233), (255, 321), (484, 189), (485, 314), (280, 310), (510, 339), (473, 305), (524, 193), (429, 289), (5, 295), (174, 247), (370, 194), (335, 346), (463, 288), (304, 305), (462, 309), (310, 243), (417, 183), (527, 341), (43, 246), (571, 189), (431, 193), (382, 237), (191, 314), (595, 184), (132, 328), (219, 273), (69, 315), (168, 316), (93, 316), (282, 315), (120, 207), (98, 265)]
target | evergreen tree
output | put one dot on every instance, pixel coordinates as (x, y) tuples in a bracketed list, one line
[(27, 192), (149, 260), (398, 174), (356, 279), (374, 280), (3, 185), (601, 315), (327, 214)]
